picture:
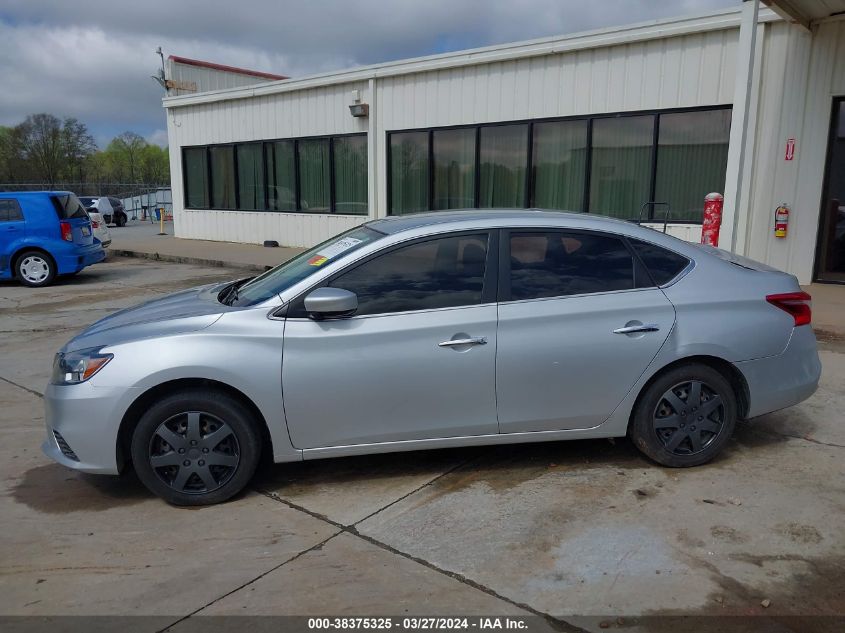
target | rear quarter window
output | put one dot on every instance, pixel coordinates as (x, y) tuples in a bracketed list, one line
[(663, 265)]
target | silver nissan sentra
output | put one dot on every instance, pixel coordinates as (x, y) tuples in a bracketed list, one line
[(436, 330)]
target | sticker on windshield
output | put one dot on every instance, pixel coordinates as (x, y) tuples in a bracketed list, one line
[(341, 246)]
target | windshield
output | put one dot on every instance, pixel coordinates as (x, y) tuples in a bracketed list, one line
[(285, 275), (68, 206)]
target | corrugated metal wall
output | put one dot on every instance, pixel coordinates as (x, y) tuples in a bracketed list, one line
[(801, 74), (689, 70), (207, 78)]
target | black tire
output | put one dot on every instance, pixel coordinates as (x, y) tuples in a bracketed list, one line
[(224, 433), (678, 432), (120, 219), (35, 269)]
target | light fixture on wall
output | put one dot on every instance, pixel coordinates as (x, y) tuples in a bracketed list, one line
[(356, 108)]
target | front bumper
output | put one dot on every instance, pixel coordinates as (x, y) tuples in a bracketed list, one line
[(781, 381), (87, 419)]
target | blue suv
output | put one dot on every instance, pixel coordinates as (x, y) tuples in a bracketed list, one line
[(44, 234)]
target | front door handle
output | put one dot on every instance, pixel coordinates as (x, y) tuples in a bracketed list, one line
[(631, 329), (477, 340)]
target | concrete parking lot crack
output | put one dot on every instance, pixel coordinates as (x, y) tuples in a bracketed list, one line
[(249, 582), (14, 384)]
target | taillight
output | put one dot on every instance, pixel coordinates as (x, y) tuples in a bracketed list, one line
[(67, 231), (796, 303), (95, 224)]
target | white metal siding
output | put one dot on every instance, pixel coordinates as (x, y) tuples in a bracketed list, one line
[(801, 74), (208, 78)]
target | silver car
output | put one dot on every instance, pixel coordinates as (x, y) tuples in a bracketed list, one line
[(429, 331)]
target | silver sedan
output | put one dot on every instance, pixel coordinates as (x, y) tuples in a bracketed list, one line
[(429, 331)]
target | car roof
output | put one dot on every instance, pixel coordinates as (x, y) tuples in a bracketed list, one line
[(27, 194)]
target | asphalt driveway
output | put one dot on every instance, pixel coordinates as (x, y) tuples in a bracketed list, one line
[(585, 534)]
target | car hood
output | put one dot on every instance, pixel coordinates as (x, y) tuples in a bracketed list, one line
[(177, 313)]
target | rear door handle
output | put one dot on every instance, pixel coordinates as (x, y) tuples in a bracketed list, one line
[(477, 340), (630, 329)]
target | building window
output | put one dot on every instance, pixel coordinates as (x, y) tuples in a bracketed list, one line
[(559, 165), (222, 161), (317, 175), (409, 170), (314, 175), (250, 176), (617, 165), (281, 176), (503, 158), (453, 153), (692, 156), (350, 175), (195, 166)]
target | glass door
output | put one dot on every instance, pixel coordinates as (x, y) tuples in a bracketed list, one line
[(831, 252)]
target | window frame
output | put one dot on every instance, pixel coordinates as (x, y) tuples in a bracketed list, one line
[(653, 213), (266, 204), (489, 292), (640, 272)]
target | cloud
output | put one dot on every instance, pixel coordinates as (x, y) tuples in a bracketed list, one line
[(93, 60)]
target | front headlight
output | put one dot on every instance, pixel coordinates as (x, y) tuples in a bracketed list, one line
[(72, 368)]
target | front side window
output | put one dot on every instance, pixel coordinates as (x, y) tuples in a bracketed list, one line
[(222, 177), (560, 263), (439, 273), (195, 164)]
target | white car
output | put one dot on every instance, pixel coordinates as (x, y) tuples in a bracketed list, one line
[(99, 228)]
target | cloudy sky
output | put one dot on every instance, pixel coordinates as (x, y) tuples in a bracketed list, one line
[(92, 59)]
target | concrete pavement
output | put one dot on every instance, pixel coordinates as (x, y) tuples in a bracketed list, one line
[(576, 533)]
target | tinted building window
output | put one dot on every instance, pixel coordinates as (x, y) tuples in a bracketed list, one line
[(620, 179), (454, 168), (557, 263), (350, 175), (559, 165), (663, 265), (281, 176), (503, 156), (692, 156), (250, 176), (439, 273), (195, 165), (314, 175), (222, 177), (409, 172)]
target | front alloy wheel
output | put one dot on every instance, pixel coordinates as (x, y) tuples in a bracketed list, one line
[(196, 447)]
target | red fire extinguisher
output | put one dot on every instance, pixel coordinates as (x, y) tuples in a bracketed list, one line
[(781, 220), (713, 203)]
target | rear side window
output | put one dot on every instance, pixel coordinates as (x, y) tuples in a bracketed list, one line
[(10, 211), (663, 265), (68, 206), (439, 273), (560, 263)]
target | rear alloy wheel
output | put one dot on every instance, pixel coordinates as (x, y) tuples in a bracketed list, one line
[(685, 417), (35, 269), (196, 448)]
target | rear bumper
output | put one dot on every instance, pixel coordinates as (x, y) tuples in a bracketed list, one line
[(784, 380), (76, 259)]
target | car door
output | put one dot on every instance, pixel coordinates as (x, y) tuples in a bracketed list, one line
[(576, 328), (417, 359)]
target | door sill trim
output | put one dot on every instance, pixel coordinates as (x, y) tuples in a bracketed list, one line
[(458, 442)]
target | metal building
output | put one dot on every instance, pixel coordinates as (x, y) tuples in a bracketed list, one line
[(748, 102)]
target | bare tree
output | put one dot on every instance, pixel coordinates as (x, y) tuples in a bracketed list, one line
[(78, 145), (41, 140)]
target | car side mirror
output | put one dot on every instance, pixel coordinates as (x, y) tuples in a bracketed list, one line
[(330, 303)]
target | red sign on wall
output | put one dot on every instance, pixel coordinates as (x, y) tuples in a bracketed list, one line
[(790, 149)]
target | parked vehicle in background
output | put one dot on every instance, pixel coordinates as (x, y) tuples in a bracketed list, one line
[(99, 227), (118, 215), (44, 234), (434, 331)]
